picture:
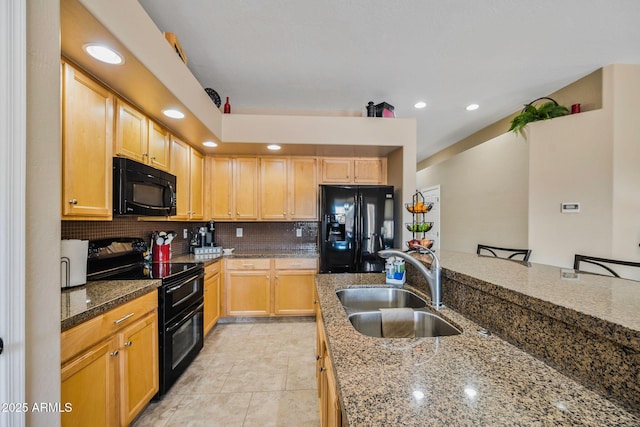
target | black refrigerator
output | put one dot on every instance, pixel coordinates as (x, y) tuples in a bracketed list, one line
[(356, 222)]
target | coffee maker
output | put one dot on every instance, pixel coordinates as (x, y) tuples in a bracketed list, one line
[(203, 237)]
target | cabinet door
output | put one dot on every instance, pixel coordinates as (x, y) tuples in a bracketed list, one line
[(273, 189), (139, 376), (180, 168), (87, 147), (131, 132), (247, 293), (196, 184), (368, 171), (336, 170), (221, 184), (293, 294), (89, 385), (159, 146), (245, 180), (303, 189), (211, 296)]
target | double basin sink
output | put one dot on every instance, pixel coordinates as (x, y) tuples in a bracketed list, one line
[(363, 308)]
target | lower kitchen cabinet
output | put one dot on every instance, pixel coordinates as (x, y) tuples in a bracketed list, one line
[(328, 400), (294, 287), (269, 287), (110, 365), (212, 281)]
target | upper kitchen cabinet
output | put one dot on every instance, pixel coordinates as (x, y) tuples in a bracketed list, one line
[(353, 171), (288, 188), (187, 165), (233, 188), (139, 138), (87, 147)]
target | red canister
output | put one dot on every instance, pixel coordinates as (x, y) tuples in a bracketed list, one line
[(161, 253)]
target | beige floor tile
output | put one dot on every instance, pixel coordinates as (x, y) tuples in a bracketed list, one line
[(257, 374), (211, 410), (264, 371), (283, 408), (301, 374)]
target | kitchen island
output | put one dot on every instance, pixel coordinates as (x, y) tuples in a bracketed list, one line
[(474, 378)]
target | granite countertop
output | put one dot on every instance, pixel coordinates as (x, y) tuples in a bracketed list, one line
[(468, 379), (81, 303), (207, 259), (604, 305)]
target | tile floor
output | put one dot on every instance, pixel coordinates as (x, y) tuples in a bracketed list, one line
[(248, 374)]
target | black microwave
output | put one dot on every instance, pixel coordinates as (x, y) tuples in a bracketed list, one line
[(139, 189)]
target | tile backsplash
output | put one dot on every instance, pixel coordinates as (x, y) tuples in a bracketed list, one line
[(256, 236)]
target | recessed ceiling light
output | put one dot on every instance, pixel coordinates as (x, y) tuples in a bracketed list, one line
[(209, 144), (174, 114), (420, 104), (274, 147), (472, 107), (104, 54)]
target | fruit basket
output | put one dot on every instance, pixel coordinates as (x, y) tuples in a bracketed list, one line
[(419, 227), (417, 245), (418, 207)]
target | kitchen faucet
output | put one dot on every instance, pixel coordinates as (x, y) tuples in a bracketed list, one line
[(432, 275)]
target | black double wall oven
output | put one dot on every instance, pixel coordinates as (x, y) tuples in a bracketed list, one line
[(180, 299)]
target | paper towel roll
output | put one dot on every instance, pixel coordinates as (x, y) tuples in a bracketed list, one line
[(75, 253)]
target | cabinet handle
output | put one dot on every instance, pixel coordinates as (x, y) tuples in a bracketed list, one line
[(317, 357), (229, 213), (153, 158), (73, 201), (277, 276), (238, 213), (123, 318), (145, 154), (114, 353), (322, 369), (128, 344), (315, 301)]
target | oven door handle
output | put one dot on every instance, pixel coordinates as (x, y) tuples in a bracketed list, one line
[(176, 287), (184, 318)]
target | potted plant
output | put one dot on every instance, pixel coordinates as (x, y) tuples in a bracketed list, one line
[(531, 113)]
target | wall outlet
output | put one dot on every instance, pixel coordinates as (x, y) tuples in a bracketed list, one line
[(298, 232), (238, 232), (185, 234)]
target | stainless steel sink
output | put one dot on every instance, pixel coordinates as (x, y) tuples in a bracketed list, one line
[(426, 324), (364, 299)]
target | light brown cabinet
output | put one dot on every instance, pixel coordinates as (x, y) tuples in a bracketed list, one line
[(140, 138), (340, 170), (212, 283), (328, 400), (269, 287), (293, 286), (233, 188), (187, 165), (288, 189), (87, 147), (110, 364)]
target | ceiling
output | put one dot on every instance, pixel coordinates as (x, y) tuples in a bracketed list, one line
[(337, 55)]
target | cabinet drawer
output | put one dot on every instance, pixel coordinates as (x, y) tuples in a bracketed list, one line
[(84, 335), (296, 263), (248, 264), (129, 312), (213, 269)]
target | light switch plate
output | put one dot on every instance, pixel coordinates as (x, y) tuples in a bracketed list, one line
[(298, 232), (185, 233), (239, 232), (570, 207)]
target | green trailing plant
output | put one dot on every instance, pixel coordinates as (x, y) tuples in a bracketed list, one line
[(531, 113)]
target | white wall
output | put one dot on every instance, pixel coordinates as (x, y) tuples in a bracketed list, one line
[(483, 193), (43, 209), (570, 161), (624, 86)]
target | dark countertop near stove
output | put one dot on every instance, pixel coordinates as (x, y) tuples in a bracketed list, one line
[(82, 303)]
